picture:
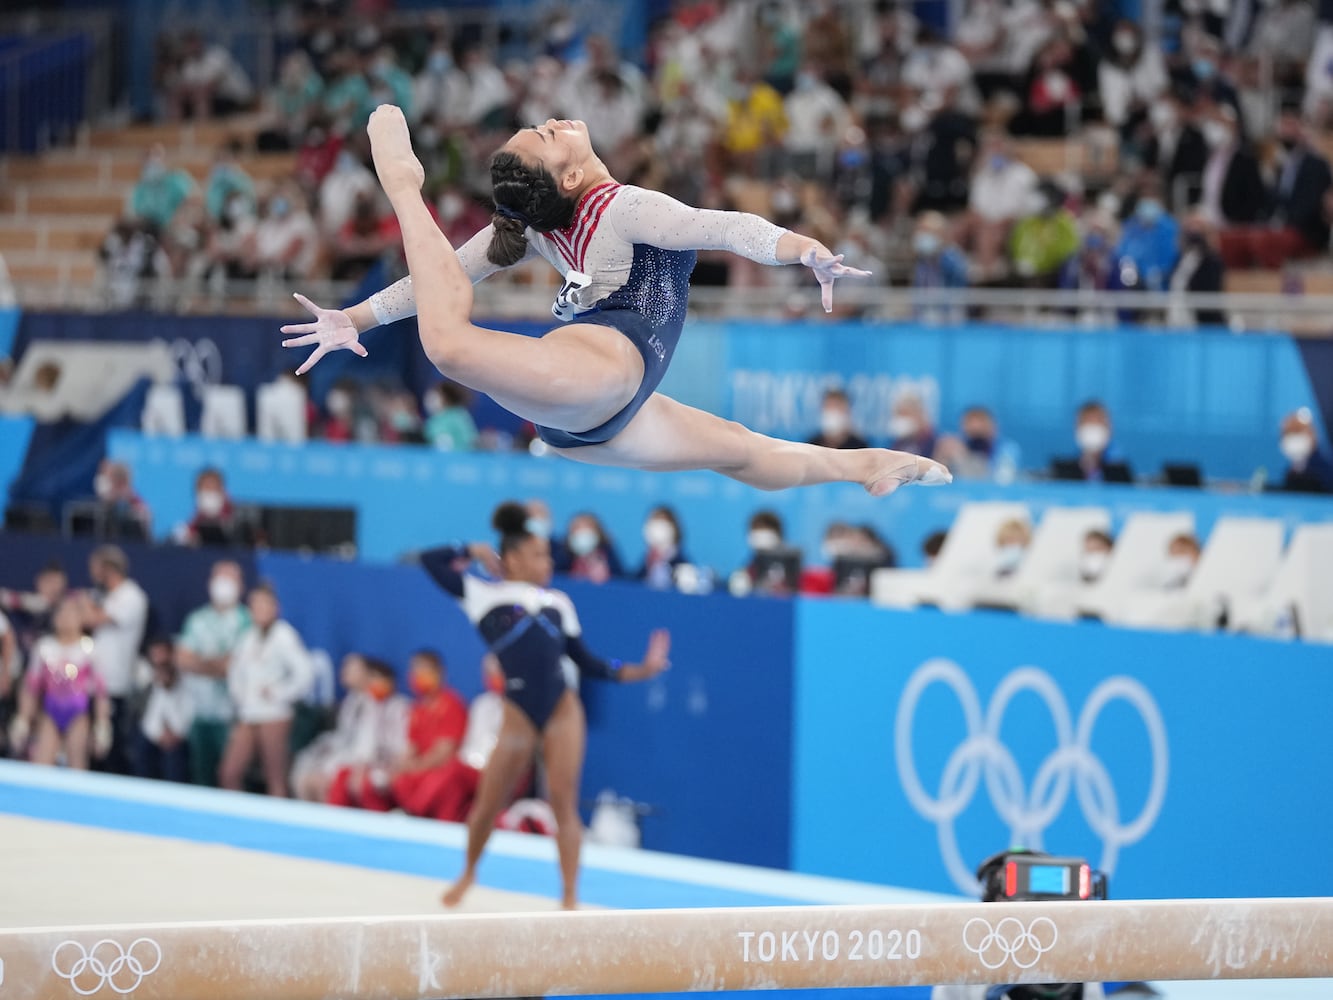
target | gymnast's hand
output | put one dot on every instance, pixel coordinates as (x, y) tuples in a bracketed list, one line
[(828, 267), (399, 170), (333, 330), (656, 659)]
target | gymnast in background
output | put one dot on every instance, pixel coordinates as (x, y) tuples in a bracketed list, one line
[(534, 634)]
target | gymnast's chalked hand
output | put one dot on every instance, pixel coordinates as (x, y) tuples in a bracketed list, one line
[(333, 330), (828, 267), (396, 165)]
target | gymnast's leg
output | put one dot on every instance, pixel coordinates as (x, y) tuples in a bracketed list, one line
[(563, 742), (668, 436), (512, 754)]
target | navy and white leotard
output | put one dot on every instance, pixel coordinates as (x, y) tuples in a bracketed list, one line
[(533, 632), (626, 260)]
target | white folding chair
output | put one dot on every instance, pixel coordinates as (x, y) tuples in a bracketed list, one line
[(280, 412), (1136, 562), (1299, 599), (1050, 565), (224, 412), (163, 411)]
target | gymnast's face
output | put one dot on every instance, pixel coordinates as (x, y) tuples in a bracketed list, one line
[(529, 561), (562, 147)]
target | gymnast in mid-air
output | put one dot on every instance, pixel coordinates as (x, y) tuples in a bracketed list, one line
[(626, 253)]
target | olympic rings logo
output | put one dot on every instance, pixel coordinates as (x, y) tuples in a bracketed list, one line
[(107, 963), (1009, 941), (1072, 764)]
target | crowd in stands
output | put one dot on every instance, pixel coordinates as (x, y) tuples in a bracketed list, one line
[(1199, 148)]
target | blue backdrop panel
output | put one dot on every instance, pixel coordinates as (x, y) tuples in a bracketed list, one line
[(9, 324), (409, 498), (15, 433), (707, 745), (1186, 765), (1208, 397)]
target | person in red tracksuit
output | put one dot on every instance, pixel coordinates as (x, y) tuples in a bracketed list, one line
[(435, 729)]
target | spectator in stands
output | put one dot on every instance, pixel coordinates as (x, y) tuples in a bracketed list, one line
[(1198, 270), (1149, 241), (389, 82), (1042, 242), (371, 733), (203, 653), (402, 419), (117, 615), (460, 216), (1002, 192), (588, 552), (943, 142), (933, 66), (61, 686), (1309, 469), (756, 126), (216, 520), (1298, 226), (542, 524), (346, 182), (663, 536), (435, 727), (937, 260), (1234, 193), (363, 238), (978, 451), (1052, 97), (1093, 267), (1132, 77), (231, 243), (480, 89), (317, 153), (1012, 539), (270, 672), (816, 116), (286, 239), (1182, 556), (854, 551), (210, 83), (162, 748), (114, 489), (449, 424), (910, 427), (1209, 76), (1283, 35), (1096, 451), (185, 241), (837, 426), (1094, 555), (339, 419), (159, 191), (430, 87), (131, 254), (1173, 145), (347, 96), (228, 180), (290, 105), (31, 612)]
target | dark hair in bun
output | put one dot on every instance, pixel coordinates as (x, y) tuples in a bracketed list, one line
[(532, 198), (511, 521)]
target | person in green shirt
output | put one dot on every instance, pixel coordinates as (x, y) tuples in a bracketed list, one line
[(227, 179), (160, 190), (203, 652), (1045, 239), (450, 426)]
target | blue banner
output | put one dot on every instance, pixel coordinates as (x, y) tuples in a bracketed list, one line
[(1183, 765), (409, 498), (15, 433)]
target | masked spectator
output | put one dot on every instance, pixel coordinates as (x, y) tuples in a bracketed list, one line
[(227, 180), (114, 489), (204, 650), (1094, 556), (663, 537), (216, 520), (816, 116), (1001, 193), (339, 418), (117, 614), (211, 83), (449, 424), (1043, 241), (347, 181), (371, 732), (1172, 144), (63, 704), (978, 452), (1093, 268), (1132, 76), (837, 428), (1149, 242), (1234, 193), (286, 238), (1052, 95), (1096, 451), (910, 426), (1199, 270), (937, 263), (588, 552), (1309, 470), (1011, 543), (270, 672), (290, 104), (159, 191), (163, 749)]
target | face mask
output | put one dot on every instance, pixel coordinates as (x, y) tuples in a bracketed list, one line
[(403, 421), (1288, 142), (438, 63), (278, 208), (785, 202), (914, 119), (1091, 565), (834, 422), (926, 244), (538, 526), (379, 688), (763, 540), (1162, 116), (998, 161), (423, 683), (1092, 438), (432, 403), (102, 486), (903, 427), (153, 170), (339, 404), (1204, 69), (980, 445), (1007, 557), (346, 161), (451, 207), (209, 502), (1123, 42), (236, 209), (831, 551), (805, 81), (658, 533), (1148, 210), (1216, 134), (1297, 448), (583, 541), (224, 591), (1178, 569)]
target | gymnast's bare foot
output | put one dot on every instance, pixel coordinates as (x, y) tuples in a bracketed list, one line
[(455, 893), (569, 903), (892, 469)]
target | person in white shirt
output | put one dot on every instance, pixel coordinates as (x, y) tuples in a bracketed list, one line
[(211, 83), (270, 672), (1133, 77), (817, 116), (117, 617), (371, 729), (1002, 188), (163, 750), (286, 240)]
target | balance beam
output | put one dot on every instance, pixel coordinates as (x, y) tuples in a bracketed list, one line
[(655, 951)]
